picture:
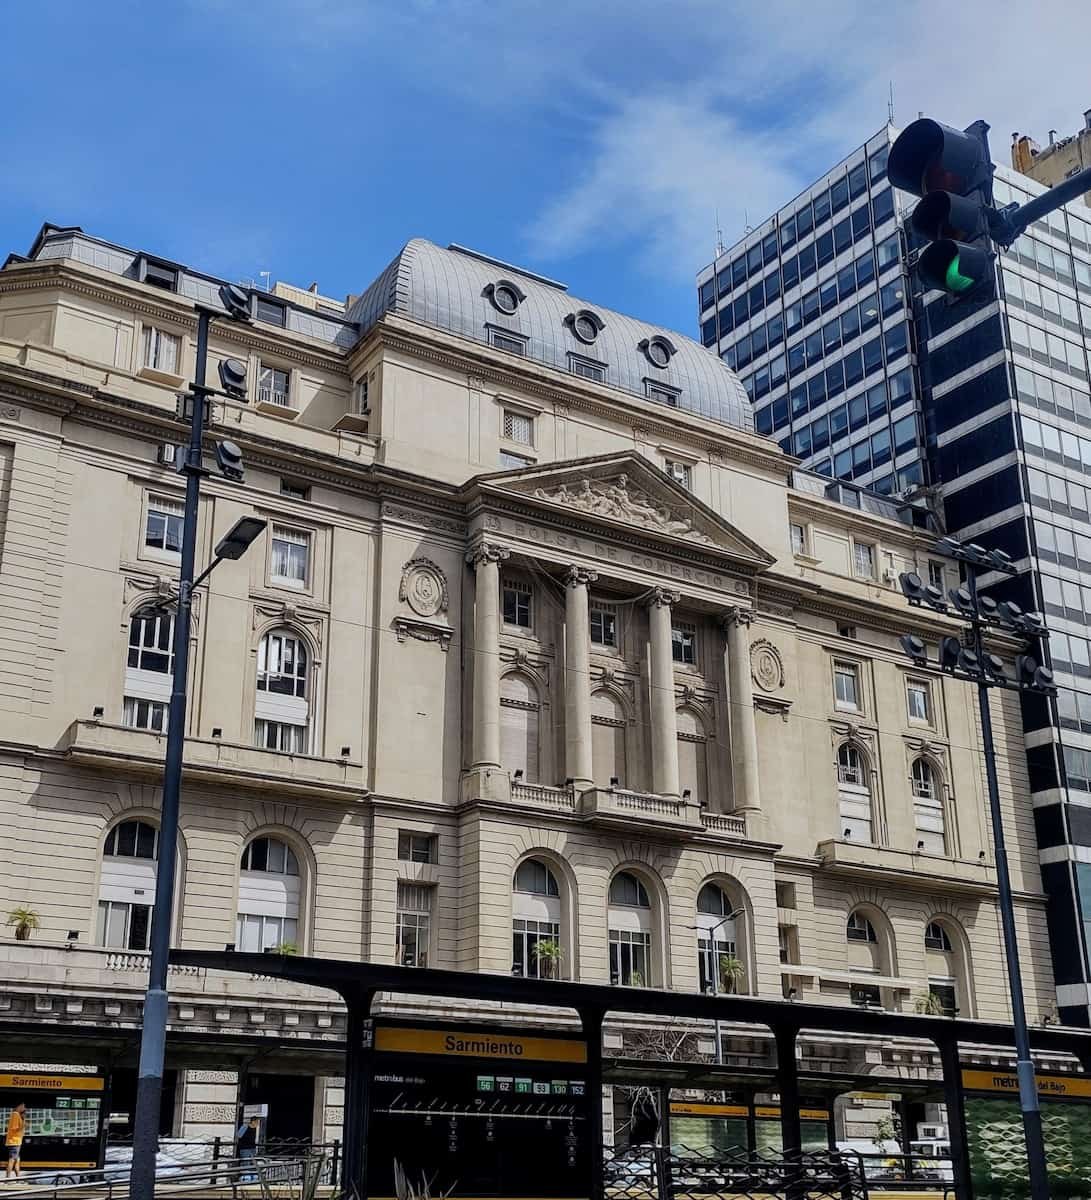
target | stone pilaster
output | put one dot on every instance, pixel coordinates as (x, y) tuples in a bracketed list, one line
[(577, 678), (661, 682), (740, 695), (486, 560)]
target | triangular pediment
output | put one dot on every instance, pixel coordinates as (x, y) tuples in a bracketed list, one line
[(624, 490)]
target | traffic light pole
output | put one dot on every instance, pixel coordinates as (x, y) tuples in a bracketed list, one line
[(1010, 222), (1024, 1065), (153, 1031)]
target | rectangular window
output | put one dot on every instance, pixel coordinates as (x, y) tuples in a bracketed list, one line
[(144, 714), (161, 350), (846, 685), (270, 312), (513, 343), (526, 960), (684, 644), (416, 847), (918, 700), (254, 934), (603, 627), (123, 926), (517, 603), (163, 528), (596, 371), (518, 428), (413, 925), (279, 735), (295, 491), (863, 560), (943, 996), (661, 393), (710, 980), (680, 472), (514, 461), (290, 556), (273, 386), (799, 539), (630, 951), (935, 573)]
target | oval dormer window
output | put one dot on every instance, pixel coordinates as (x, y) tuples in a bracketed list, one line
[(505, 298), (658, 351)]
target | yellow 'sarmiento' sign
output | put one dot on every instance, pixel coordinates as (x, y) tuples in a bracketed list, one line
[(1005, 1081), (465, 1044), (38, 1081)]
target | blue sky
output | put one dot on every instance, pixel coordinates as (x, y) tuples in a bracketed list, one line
[(590, 142)]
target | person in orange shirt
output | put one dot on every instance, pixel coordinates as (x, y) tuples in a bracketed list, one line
[(13, 1139)]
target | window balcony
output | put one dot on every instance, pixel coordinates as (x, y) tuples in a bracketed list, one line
[(539, 796), (620, 808), (868, 862), (215, 761)]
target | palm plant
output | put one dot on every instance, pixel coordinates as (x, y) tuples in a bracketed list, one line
[(25, 921), (549, 956), (732, 973)]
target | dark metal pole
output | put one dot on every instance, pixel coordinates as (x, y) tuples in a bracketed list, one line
[(954, 1101), (1011, 223), (591, 1020), (153, 1034), (1024, 1065)]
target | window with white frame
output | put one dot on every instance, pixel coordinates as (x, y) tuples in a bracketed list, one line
[(680, 472), (536, 922), (629, 922), (273, 386), (918, 698), (609, 756), (127, 885), (149, 668), (684, 643), (518, 427), (846, 685), (716, 941), (513, 343), (944, 970), (515, 461), (269, 897), (413, 927), (692, 756), (935, 573), (860, 929), (290, 553), (281, 710), (520, 710), (799, 538), (161, 350), (603, 625), (517, 603), (163, 525), (863, 560), (854, 795), (928, 817), (416, 847)]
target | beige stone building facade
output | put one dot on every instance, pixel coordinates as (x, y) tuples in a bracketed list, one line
[(1058, 160), (545, 662)]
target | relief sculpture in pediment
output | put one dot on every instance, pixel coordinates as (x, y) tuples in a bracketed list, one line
[(616, 499)]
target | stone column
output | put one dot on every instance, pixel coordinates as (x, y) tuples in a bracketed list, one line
[(577, 678), (740, 695), (486, 561), (661, 680)]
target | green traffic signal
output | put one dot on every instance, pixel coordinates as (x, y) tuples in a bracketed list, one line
[(956, 281)]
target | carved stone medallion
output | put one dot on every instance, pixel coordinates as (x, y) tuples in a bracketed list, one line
[(423, 587), (766, 665)]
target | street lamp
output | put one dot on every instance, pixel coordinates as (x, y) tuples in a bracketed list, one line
[(714, 964), (968, 659), (153, 1032)]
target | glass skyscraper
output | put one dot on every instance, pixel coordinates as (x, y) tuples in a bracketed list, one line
[(851, 368)]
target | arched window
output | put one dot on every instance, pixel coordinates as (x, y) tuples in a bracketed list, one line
[(928, 808), (630, 928), (865, 959), (718, 961), (520, 709), (127, 885), (148, 669), (854, 794), (608, 755), (692, 756), (281, 710), (536, 922), (945, 983), (268, 913)]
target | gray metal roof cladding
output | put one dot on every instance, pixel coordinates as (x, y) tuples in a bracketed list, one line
[(446, 289)]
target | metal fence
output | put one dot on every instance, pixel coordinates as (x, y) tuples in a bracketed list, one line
[(185, 1152)]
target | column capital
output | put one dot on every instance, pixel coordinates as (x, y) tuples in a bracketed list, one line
[(487, 552), (579, 577), (660, 597), (737, 617)]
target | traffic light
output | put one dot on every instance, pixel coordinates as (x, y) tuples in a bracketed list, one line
[(952, 171)]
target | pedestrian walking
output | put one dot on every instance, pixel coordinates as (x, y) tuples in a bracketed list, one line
[(247, 1142), (13, 1139)]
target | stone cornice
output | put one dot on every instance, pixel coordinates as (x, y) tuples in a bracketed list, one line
[(871, 525)]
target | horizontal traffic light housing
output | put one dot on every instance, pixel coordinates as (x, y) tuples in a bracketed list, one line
[(945, 215), (929, 157), (954, 267)]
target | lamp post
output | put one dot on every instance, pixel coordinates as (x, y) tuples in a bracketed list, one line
[(987, 671), (153, 1031), (714, 973)]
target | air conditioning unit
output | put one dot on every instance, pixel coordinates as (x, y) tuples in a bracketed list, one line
[(167, 454), (929, 1132)]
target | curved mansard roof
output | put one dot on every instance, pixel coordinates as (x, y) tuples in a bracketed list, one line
[(457, 290)]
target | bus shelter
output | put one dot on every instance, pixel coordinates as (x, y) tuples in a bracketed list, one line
[(380, 1066)]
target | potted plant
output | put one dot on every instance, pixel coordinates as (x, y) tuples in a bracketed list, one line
[(25, 921), (285, 948), (929, 1005), (732, 973), (549, 956)]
